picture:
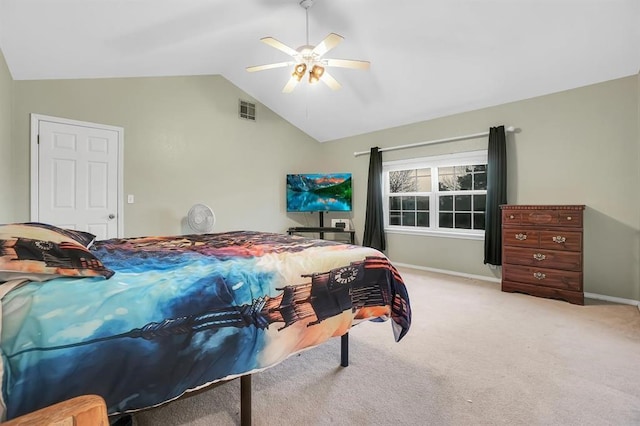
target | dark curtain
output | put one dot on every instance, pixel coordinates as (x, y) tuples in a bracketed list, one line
[(496, 194), (374, 220)]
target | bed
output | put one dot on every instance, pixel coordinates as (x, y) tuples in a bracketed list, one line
[(144, 321)]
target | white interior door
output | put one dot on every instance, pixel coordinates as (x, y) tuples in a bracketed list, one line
[(78, 182)]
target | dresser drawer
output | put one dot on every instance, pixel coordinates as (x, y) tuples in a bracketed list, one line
[(568, 280), (570, 218), (561, 240), (520, 237), (511, 217), (540, 217), (553, 259)]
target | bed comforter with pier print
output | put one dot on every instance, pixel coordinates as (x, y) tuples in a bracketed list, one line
[(184, 312)]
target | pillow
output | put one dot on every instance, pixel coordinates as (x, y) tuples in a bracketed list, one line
[(45, 232), (22, 257)]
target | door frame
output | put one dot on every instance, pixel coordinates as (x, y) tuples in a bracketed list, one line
[(35, 152)]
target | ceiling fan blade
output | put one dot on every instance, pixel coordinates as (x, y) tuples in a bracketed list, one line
[(347, 63), (330, 81), (269, 66), (329, 42), (279, 45), (291, 84)]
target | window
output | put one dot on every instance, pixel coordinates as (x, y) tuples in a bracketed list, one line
[(442, 195)]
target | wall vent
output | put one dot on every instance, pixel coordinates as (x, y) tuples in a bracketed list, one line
[(247, 110)]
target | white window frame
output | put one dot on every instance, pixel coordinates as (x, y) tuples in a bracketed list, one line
[(448, 160)]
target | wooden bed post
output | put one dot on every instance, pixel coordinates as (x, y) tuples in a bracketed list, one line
[(344, 350), (245, 400)]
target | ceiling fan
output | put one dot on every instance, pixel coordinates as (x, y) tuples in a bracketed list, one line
[(310, 58)]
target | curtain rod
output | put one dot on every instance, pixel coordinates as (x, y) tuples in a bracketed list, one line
[(509, 129)]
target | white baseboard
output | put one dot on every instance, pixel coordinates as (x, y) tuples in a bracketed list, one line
[(613, 299), (497, 280), (448, 272)]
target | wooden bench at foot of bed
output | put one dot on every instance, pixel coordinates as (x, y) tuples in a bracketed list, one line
[(85, 410)]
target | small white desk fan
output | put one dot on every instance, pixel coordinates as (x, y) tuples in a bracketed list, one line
[(201, 218)]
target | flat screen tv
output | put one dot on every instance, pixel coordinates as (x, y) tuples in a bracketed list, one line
[(319, 192)]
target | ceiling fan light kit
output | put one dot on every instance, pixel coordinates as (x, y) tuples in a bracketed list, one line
[(298, 71), (315, 74), (309, 58)]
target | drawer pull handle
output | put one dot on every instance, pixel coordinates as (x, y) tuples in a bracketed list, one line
[(512, 217), (539, 275), (539, 256), (559, 239), (521, 237), (568, 217)]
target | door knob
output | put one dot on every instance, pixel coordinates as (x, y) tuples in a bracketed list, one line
[(112, 216)]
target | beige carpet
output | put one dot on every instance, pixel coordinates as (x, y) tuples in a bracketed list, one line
[(473, 356)]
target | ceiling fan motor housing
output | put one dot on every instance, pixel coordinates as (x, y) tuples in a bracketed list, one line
[(306, 3)]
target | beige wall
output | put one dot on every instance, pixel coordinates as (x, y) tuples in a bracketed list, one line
[(6, 209), (183, 144), (575, 147)]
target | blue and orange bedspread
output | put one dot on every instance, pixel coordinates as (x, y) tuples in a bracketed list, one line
[(184, 312)]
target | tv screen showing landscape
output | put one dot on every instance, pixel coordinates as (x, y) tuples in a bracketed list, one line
[(319, 192)]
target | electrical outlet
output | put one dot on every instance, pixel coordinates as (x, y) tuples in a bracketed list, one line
[(130, 198)]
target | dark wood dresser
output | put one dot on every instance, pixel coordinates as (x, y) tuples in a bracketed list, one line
[(542, 251)]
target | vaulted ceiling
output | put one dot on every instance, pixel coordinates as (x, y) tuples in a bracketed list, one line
[(428, 58)]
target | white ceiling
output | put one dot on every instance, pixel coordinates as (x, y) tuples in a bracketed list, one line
[(429, 58)]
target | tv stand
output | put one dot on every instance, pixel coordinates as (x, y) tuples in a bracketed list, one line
[(321, 219), (321, 230), (321, 224)]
